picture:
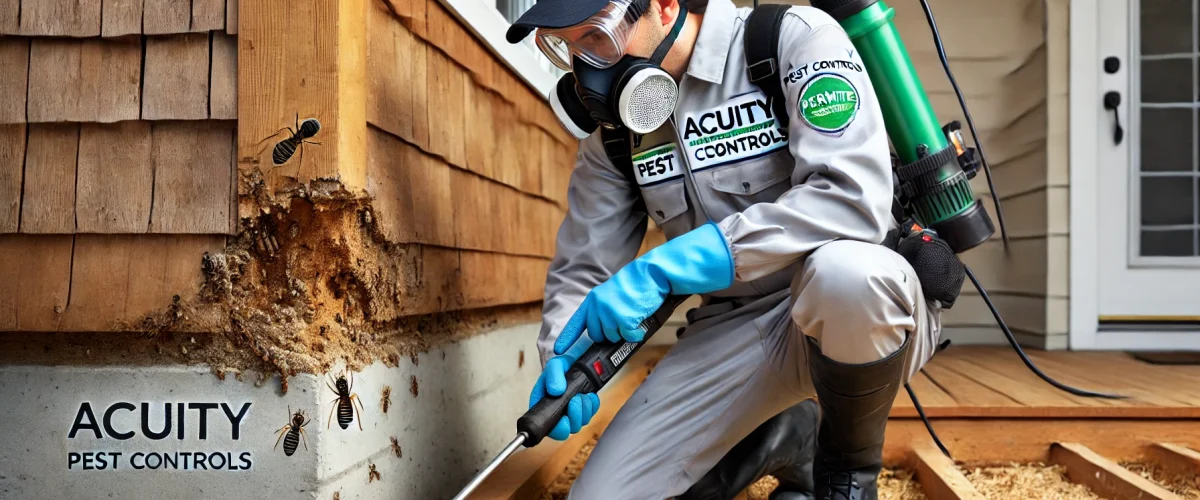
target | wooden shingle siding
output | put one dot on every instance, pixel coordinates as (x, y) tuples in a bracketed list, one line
[(73, 18), (121, 17), (412, 192), (83, 80), (115, 179), (10, 23), (192, 176), (166, 16), (127, 177), (208, 15), (12, 166), (176, 78), (231, 16), (14, 79), (36, 271), (48, 195), (222, 103), (117, 279)]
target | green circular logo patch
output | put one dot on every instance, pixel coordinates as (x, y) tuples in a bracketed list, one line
[(828, 103)]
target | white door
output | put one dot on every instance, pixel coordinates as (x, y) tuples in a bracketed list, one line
[(1147, 174)]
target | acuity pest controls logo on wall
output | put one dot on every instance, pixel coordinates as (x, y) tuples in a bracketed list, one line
[(828, 103), (127, 436)]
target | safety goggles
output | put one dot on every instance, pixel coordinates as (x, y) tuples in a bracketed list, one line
[(599, 41)]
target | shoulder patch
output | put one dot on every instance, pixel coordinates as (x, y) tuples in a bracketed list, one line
[(828, 103)]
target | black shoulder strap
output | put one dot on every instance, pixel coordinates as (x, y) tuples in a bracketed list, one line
[(616, 146), (762, 44)]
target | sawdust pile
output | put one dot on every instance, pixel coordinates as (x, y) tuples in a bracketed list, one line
[(562, 484), (1183, 485), (1025, 481), (309, 281), (893, 485)]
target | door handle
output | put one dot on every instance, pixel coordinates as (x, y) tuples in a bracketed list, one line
[(1112, 99)]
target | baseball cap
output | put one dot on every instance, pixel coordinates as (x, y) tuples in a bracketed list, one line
[(553, 14)]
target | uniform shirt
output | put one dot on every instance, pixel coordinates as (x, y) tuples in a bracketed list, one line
[(777, 193)]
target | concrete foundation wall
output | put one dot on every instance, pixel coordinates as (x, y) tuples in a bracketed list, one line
[(452, 409)]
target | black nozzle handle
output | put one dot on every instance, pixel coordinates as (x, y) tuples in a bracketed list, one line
[(589, 374)]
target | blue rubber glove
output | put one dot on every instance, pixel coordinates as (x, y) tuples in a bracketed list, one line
[(696, 262), (553, 381)]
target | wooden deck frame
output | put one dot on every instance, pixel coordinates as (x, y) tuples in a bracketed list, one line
[(1105, 477), (939, 477), (1176, 458)]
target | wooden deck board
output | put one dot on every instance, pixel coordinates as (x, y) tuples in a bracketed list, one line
[(992, 382)]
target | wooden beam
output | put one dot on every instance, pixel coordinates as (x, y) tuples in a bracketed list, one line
[(304, 58), (1104, 476), (1028, 440), (1176, 458), (939, 477)]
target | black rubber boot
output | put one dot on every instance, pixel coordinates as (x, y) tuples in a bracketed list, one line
[(782, 447), (855, 401)]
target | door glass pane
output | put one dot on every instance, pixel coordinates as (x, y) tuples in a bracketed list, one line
[(1167, 80), (1168, 243), (1167, 93), (1166, 26), (1167, 201), (1166, 139)]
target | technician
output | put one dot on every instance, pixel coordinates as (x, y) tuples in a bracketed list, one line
[(779, 229)]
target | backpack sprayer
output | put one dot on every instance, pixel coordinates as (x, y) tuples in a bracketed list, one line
[(933, 170)]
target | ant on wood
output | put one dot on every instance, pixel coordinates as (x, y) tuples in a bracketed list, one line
[(286, 148)]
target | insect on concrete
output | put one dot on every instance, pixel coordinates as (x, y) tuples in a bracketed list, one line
[(295, 433), (386, 400), (344, 402), (287, 147)]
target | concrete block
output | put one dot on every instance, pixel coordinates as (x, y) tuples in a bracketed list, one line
[(463, 410)]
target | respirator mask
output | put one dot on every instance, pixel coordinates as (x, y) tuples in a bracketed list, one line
[(605, 87)]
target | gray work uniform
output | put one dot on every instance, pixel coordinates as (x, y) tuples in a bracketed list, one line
[(803, 210)]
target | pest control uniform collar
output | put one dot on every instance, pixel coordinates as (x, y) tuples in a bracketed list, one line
[(713, 41)]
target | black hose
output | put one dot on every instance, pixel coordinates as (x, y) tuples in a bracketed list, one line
[(1012, 340), (962, 102), (928, 425)]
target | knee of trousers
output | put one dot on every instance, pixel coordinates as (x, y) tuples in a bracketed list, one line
[(857, 300)]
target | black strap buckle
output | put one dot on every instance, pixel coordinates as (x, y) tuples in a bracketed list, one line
[(616, 147), (761, 70)]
